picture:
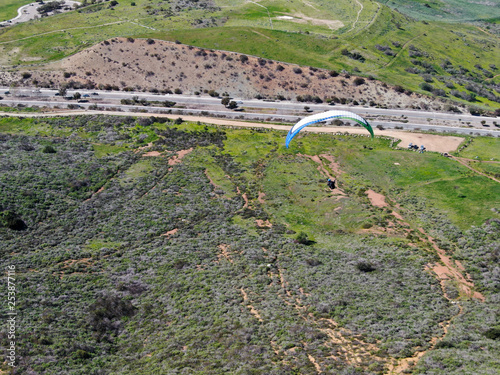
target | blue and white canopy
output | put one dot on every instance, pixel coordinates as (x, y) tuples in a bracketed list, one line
[(325, 116)]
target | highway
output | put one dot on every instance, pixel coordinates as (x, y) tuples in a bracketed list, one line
[(253, 109)]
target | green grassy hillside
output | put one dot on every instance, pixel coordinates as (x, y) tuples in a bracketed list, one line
[(447, 10), (8, 8), (237, 258), (446, 59)]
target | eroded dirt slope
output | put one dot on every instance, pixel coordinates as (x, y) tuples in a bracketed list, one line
[(159, 65)]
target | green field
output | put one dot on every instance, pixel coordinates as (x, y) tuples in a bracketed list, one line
[(446, 10), (8, 8), (482, 148)]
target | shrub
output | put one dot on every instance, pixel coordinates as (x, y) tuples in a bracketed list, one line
[(12, 221), (49, 150), (365, 266), (493, 333), (425, 86), (106, 310), (359, 81)]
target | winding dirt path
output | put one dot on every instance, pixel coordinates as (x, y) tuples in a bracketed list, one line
[(463, 161), (445, 270), (357, 17)]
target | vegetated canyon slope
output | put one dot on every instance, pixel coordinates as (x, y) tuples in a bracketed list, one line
[(160, 66), (144, 245)]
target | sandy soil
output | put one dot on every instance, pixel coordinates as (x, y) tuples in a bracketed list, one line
[(376, 199), (176, 159), (170, 232)]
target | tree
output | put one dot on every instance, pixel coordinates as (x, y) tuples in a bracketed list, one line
[(303, 239), (359, 81), (225, 101), (232, 105), (77, 95), (63, 90)]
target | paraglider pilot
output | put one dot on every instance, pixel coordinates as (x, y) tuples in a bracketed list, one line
[(331, 184)]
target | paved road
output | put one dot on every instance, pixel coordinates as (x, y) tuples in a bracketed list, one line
[(285, 106), (265, 117), (29, 12)]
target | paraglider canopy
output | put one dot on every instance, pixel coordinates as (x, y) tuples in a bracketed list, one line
[(319, 117)]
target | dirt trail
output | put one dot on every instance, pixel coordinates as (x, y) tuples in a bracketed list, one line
[(322, 169), (452, 271), (244, 196), (224, 253), (211, 181), (357, 17), (253, 311), (463, 161), (347, 346), (444, 271), (404, 366)]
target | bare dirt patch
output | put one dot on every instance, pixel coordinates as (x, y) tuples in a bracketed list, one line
[(170, 232), (224, 253), (431, 142), (135, 64), (176, 159), (376, 199), (152, 153), (262, 223), (261, 197)]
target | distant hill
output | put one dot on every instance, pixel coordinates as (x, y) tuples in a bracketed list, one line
[(427, 48), (166, 67)]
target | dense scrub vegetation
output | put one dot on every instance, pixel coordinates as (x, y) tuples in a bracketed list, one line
[(133, 263)]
